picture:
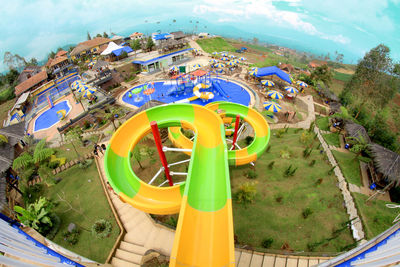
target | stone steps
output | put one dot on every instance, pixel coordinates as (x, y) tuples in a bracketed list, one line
[(122, 263)]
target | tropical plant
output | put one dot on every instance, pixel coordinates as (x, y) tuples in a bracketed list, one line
[(3, 139), (101, 228), (36, 215), (266, 243), (246, 193), (23, 161), (72, 237), (41, 152), (360, 145)]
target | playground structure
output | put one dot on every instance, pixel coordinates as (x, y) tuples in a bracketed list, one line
[(204, 235), (61, 114)]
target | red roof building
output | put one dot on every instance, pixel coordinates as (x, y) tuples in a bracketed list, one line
[(32, 83)]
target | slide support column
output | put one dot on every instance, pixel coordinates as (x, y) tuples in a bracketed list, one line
[(236, 130), (157, 139)]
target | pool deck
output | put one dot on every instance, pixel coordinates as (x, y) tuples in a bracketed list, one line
[(52, 132)]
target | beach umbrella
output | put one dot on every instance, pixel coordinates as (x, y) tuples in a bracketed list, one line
[(274, 94), (225, 58), (291, 90), (214, 53), (195, 50), (174, 68), (267, 83), (89, 91), (213, 61), (219, 65), (242, 58), (235, 61), (81, 88), (302, 84), (224, 54), (253, 68), (253, 72), (76, 84), (272, 106), (230, 63), (219, 71), (232, 56), (197, 65)]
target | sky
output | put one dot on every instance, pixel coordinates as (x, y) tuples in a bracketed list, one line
[(33, 28)]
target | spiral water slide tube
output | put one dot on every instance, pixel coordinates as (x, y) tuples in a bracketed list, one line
[(204, 234)]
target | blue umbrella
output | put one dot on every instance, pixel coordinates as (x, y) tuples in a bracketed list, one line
[(219, 65), (272, 106), (267, 83), (302, 84), (224, 54), (213, 61), (232, 56), (225, 58), (174, 68), (242, 58), (197, 65), (231, 64)]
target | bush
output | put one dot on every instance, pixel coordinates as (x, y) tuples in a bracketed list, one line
[(251, 174), (53, 164), (268, 148), (6, 94), (266, 243), (86, 163), (86, 125), (246, 193), (249, 139), (72, 237), (271, 165), (312, 163), (56, 226), (101, 228), (306, 212), (307, 152), (32, 193), (290, 171)]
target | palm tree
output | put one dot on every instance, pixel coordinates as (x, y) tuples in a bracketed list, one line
[(23, 161), (360, 144), (42, 152)]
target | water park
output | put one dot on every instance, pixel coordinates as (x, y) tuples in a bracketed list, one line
[(218, 163)]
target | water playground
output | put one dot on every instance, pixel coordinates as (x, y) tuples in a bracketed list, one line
[(188, 89)]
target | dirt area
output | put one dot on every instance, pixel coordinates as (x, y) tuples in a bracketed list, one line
[(345, 71), (51, 132)]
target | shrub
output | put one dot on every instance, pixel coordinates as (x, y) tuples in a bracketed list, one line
[(284, 154), (101, 228), (72, 237), (266, 243), (290, 171), (53, 164), (86, 125), (249, 139), (306, 212), (279, 198), (307, 152), (86, 163), (271, 165), (268, 148), (330, 172), (312, 163), (246, 193), (306, 137), (56, 226), (251, 174), (318, 182)]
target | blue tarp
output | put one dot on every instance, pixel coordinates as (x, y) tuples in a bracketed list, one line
[(126, 49), (273, 70), (161, 36)]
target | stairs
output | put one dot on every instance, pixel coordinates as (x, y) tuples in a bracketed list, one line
[(35, 180)]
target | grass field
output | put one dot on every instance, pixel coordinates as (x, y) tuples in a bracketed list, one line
[(322, 123), (349, 165), (218, 44), (83, 191), (280, 201), (4, 108), (332, 139), (342, 76), (375, 215)]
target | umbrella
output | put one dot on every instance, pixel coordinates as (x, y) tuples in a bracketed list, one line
[(224, 54), (253, 72), (76, 84), (253, 68), (219, 71), (274, 94), (89, 91), (267, 83), (232, 56), (272, 106), (291, 90), (242, 58), (219, 65), (214, 53), (213, 61), (82, 87), (197, 65), (231, 64), (302, 84), (224, 58), (235, 61), (174, 68)]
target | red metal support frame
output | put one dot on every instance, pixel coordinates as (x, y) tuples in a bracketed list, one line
[(157, 139), (236, 130)]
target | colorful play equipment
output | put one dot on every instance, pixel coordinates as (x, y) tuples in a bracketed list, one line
[(61, 114), (204, 235), (50, 102), (202, 95)]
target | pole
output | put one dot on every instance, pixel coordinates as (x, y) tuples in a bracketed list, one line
[(236, 131), (157, 139)]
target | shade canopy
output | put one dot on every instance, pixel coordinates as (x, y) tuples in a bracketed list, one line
[(110, 48), (119, 51), (273, 70), (272, 106)]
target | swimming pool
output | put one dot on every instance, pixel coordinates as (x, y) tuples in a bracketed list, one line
[(167, 92), (50, 116)]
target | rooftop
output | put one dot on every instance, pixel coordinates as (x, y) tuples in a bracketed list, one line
[(61, 53), (57, 60), (32, 81), (89, 44), (155, 56)]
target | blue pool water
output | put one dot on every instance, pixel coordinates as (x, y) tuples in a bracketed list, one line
[(50, 116), (169, 92)]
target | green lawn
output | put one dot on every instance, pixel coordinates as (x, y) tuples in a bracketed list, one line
[(69, 153), (349, 165), (280, 201), (332, 139), (218, 44), (336, 86), (375, 215), (342, 76), (322, 123), (83, 190)]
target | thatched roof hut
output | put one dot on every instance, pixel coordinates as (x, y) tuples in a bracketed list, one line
[(386, 162), (327, 93), (335, 107), (355, 130)]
